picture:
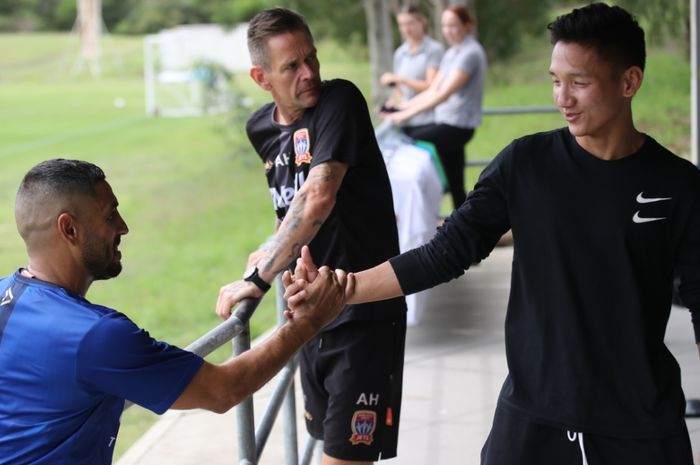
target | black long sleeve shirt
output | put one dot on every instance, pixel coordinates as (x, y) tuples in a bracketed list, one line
[(596, 243)]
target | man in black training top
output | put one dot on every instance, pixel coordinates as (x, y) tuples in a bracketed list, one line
[(601, 215), (330, 190)]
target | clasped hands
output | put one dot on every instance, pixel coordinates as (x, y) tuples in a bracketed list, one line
[(315, 296), (299, 289)]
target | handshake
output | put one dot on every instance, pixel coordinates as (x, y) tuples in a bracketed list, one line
[(316, 296), (308, 286)]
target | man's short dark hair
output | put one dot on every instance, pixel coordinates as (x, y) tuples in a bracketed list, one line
[(267, 24), (611, 31), (60, 176)]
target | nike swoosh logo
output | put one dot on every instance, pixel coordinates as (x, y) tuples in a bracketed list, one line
[(642, 199), (639, 219)]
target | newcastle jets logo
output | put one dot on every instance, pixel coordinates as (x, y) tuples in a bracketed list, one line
[(302, 146), (363, 425), (637, 218), (7, 298)]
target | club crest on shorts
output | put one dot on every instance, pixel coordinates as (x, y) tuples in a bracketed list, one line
[(302, 146), (363, 424)]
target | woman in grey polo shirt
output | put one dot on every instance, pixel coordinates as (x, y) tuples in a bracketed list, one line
[(455, 95), (416, 61)]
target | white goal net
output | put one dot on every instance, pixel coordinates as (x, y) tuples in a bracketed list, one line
[(187, 68)]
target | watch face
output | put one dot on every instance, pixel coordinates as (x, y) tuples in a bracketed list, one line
[(249, 272)]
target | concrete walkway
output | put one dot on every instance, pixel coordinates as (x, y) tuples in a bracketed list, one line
[(455, 365)]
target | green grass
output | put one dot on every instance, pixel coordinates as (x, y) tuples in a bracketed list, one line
[(193, 191)]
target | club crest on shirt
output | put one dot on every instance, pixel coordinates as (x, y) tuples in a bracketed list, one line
[(268, 165), (363, 424), (302, 146)]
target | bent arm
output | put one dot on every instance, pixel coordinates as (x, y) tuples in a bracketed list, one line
[(419, 85), (309, 209), (439, 91)]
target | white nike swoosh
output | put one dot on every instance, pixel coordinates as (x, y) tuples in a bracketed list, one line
[(638, 219), (642, 199)]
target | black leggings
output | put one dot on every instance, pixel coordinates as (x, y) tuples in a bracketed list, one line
[(449, 142)]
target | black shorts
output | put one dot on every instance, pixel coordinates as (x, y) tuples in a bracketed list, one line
[(351, 376), (516, 440)]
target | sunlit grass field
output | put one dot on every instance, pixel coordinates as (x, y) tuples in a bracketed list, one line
[(192, 190)]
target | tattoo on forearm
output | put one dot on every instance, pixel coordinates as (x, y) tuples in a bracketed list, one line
[(294, 220), (325, 172)]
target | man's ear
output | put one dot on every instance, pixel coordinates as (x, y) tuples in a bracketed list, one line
[(67, 227), (258, 74), (632, 80)]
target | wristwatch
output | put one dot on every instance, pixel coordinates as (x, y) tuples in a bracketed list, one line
[(252, 275)]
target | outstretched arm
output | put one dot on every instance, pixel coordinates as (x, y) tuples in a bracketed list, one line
[(378, 283), (220, 387)]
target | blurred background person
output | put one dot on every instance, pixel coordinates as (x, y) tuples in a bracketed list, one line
[(416, 62), (455, 94)]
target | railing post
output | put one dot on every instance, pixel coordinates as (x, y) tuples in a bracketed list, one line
[(245, 416), (309, 449), (291, 451)]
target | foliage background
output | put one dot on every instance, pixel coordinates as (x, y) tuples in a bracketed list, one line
[(502, 23)]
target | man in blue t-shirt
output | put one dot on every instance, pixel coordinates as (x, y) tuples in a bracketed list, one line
[(67, 365)]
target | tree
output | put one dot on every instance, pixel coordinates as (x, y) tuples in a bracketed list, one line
[(661, 19), (380, 41)]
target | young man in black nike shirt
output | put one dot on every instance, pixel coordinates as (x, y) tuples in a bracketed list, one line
[(330, 190), (601, 216)]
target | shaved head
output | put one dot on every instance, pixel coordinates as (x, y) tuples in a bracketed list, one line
[(49, 189)]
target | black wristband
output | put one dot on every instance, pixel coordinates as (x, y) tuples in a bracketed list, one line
[(252, 276)]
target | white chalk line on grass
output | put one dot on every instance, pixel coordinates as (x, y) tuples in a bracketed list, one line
[(51, 140)]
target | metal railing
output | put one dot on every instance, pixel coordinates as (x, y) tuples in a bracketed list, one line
[(251, 442)]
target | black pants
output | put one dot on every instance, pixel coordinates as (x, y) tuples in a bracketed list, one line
[(449, 142), (516, 440)]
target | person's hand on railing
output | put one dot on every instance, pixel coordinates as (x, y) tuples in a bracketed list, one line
[(232, 294)]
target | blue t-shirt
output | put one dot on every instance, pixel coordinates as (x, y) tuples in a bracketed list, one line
[(66, 367)]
